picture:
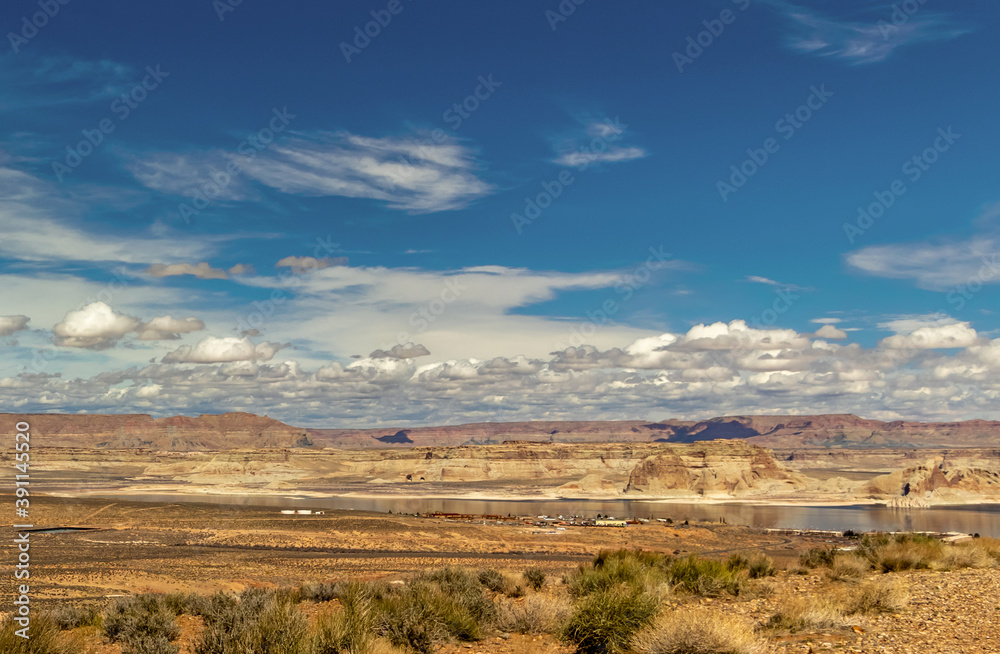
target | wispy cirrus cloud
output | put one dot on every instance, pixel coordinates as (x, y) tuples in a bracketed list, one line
[(29, 81), (863, 42), (413, 173), (598, 143)]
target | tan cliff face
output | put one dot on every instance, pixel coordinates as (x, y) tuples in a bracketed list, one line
[(720, 469), (246, 430), (177, 434)]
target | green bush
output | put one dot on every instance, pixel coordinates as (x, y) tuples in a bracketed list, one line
[(605, 621), (757, 564), (614, 568), (491, 579), (350, 630), (705, 577), (818, 557), (535, 578), (324, 591)]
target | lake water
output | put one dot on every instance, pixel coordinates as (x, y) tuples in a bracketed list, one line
[(980, 518)]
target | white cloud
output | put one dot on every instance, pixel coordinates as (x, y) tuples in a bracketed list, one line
[(400, 351), (310, 263), (598, 144), (413, 173), (921, 335), (862, 42), (32, 232), (96, 326), (831, 332), (827, 321), (12, 324), (934, 266), (222, 350), (168, 328)]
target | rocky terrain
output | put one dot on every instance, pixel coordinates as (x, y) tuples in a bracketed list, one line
[(246, 430)]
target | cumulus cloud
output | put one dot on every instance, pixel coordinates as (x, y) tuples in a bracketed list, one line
[(96, 327), (941, 334), (831, 332), (166, 328), (223, 350), (400, 351), (12, 324)]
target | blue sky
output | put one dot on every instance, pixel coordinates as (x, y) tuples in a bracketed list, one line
[(358, 213)]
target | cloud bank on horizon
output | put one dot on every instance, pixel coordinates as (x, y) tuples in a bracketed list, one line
[(443, 229)]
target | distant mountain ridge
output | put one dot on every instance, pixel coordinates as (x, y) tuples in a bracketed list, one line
[(230, 431)]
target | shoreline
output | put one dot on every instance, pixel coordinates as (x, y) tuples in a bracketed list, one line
[(481, 497)]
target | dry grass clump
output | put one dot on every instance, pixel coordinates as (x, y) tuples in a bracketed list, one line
[(45, 638), (535, 578), (878, 596), (848, 567), (966, 555), (700, 632), (808, 614), (535, 614)]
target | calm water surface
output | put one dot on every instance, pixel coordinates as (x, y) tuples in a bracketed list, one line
[(980, 518)]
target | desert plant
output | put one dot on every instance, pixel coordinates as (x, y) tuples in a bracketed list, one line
[(323, 591), (491, 579), (142, 621), (257, 621), (879, 596), (847, 567), (604, 622), (705, 577), (700, 632), (535, 578), (536, 614), (350, 630), (966, 555), (809, 615), (818, 557), (73, 617), (610, 569), (45, 638), (757, 564), (186, 603)]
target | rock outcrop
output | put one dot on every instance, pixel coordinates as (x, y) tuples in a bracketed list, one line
[(713, 469)]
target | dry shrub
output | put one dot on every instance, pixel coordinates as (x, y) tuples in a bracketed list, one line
[(45, 638), (878, 596), (991, 546), (966, 555), (809, 615), (847, 567), (818, 557), (605, 621), (700, 631), (908, 555), (757, 564), (535, 614), (534, 577)]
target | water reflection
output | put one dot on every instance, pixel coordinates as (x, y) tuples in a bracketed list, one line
[(982, 519)]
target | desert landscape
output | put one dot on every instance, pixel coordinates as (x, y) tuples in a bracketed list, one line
[(102, 557)]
